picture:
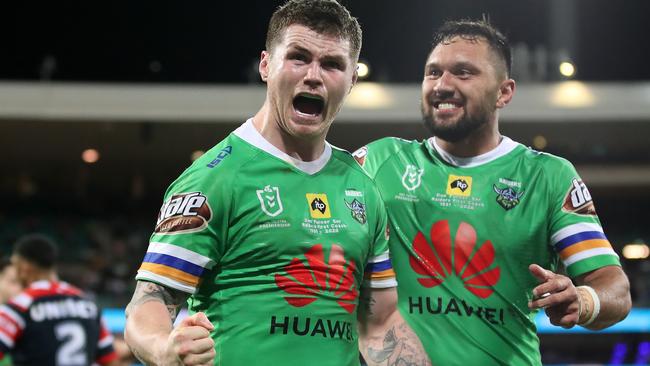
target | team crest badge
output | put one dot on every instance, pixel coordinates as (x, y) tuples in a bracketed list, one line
[(507, 197), (358, 210), (270, 200), (412, 177)]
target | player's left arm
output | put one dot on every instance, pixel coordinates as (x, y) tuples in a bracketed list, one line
[(597, 300), (384, 336)]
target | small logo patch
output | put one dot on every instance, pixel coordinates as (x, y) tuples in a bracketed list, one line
[(357, 209), (223, 153), (183, 213), (270, 200), (319, 207), (507, 197), (360, 155), (578, 199), (412, 177), (459, 185)]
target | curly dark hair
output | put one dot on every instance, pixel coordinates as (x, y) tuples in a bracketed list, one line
[(37, 249), (323, 16), (473, 29)]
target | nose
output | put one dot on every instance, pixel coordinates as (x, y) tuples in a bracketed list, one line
[(443, 85), (313, 77)]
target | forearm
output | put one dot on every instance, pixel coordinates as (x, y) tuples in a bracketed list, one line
[(149, 319), (384, 336), (613, 290), (147, 327), (393, 343)]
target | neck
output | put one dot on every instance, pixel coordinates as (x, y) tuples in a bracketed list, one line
[(479, 142), (307, 149), (43, 276)]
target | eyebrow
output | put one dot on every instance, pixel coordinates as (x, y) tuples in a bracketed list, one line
[(333, 57), (455, 65)]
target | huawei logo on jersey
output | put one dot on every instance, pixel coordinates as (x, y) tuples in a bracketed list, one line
[(312, 278), (472, 263)]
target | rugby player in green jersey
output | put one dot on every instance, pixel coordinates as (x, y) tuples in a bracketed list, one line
[(269, 232), (480, 224)]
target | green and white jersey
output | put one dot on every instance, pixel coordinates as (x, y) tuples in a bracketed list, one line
[(463, 232), (272, 249)]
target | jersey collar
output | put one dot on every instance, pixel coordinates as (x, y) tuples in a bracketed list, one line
[(505, 146), (249, 133)]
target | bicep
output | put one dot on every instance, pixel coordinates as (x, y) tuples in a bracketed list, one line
[(377, 305), (607, 277)]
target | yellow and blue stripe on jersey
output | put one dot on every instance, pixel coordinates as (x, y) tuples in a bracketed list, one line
[(580, 243), (381, 272), (173, 266)]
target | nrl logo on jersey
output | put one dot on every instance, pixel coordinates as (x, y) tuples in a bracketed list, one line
[(578, 199), (412, 177), (183, 213), (357, 209), (270, 200), (507, 197)]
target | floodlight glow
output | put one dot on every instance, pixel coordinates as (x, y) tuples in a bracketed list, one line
[(362, 70), (90, 156), (567, 69), (636, 251)]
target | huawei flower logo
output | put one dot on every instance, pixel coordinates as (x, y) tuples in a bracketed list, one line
[(306, 282), (470, 262)]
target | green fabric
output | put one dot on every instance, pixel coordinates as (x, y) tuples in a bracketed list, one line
[(461, 243), (288, 253)]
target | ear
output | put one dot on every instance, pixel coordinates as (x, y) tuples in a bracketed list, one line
[(506, 92), (265, 59), (355, 78)]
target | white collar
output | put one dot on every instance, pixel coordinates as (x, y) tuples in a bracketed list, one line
[(249, 133), (505, 146)]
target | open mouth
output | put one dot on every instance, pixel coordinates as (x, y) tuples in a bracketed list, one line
[(443, 106), (309, 104)]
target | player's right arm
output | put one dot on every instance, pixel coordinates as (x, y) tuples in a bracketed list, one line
[(150, 334)]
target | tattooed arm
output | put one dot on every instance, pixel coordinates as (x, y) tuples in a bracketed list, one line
[(150, 334), (384, 336)]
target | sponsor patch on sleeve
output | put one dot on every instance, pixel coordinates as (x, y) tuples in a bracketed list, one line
[(184, 213), (578, 199), (360, 155)]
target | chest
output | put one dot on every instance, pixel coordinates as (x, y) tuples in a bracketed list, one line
[(281, 215)]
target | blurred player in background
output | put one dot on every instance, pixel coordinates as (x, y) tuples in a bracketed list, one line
[(269, 232), (50, 322), (9, 287), (9, 284), (479, 223)]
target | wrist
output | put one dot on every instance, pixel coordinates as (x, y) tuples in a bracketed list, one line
[(588, 305)]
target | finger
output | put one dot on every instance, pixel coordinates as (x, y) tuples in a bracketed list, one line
[(560, 298), (198, 319), (205, 358), (541, 274), (555, 285)]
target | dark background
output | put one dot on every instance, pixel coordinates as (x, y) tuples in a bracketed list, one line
[(220, 41)]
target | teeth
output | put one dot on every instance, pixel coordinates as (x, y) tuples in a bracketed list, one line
[(446, 106)]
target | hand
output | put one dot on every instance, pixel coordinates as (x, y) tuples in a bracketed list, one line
[(190, 343), (557, 295)]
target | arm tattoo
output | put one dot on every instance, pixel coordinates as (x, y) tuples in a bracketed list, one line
[(382, 354), (149, 291), (401, 347), (366, 303)]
